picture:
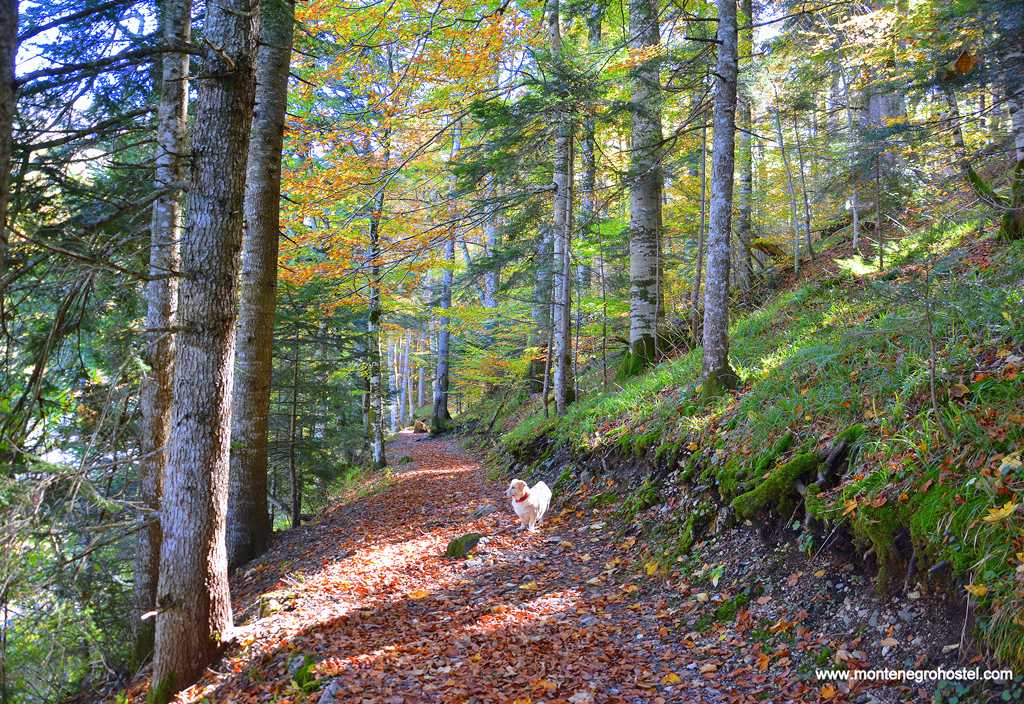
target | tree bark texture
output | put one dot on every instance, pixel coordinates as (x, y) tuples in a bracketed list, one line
[(716, 370), (161, 307), (646, 183), (440, 415), (744, 208), (8, 100), (194, 607), (248, 519)]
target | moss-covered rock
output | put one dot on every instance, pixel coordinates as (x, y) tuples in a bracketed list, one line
[(777, 491), (460, 547)]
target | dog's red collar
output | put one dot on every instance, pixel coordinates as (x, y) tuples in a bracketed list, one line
[(525, 497)]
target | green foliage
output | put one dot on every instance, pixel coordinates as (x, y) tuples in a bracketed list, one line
[(776, 491)]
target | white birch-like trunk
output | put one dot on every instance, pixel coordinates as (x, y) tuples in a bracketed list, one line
[(646, 181)]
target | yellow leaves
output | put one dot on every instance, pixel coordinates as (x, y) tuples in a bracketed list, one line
[(636, 56), (828, 692), (849, 506), (976, 590), (651, 568), (530, 586), (419, 594), (671, 678), (998, 514), (630, 588)]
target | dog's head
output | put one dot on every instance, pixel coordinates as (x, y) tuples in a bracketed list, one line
[(516, 489)]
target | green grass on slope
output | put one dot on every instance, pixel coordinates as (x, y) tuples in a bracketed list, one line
[(853, 351)]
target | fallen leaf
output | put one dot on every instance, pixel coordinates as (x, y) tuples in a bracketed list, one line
[(530, 586), (671, 678), (998, 514), (419, 594), (976, 590)]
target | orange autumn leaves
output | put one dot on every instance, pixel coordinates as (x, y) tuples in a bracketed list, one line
[(379, 84)]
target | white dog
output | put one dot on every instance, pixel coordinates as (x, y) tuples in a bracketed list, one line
[(529, 504)]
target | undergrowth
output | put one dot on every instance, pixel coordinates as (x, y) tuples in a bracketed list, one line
[(852, 349)]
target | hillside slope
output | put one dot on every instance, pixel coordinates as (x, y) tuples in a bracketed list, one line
[(881, 419)]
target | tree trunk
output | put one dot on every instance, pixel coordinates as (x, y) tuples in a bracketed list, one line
[(561, 227), (293, 419), (645, 190), (493, 273), (701, 229), (540, 311), (8, 106), (403, 381), (790, 190), (854, 191), (588, 153), (439, 415), (376, 390), (248, 520), (878, 212), (803, 188), (717, 374), (744, 209), (161, 307), (194, 607), (1012, 227)]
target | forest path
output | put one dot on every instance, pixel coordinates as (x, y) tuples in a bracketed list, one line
[(364, 592)]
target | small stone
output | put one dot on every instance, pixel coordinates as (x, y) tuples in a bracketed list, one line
[(485, 510)]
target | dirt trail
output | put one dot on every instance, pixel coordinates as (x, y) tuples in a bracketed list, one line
[(560, 615)]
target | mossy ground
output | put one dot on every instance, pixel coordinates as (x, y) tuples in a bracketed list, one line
[(846, 355)]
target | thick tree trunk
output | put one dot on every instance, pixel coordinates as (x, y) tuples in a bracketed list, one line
[(161, 307), (248, 521), (646, 183), (790, 190), (8, 99), (744, 208), (194, 607), (717, 374)]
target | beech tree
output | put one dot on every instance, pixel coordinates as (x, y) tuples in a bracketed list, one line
[(561, 229), (248, 528), (716, 372), (193, 605), (645, 189)]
